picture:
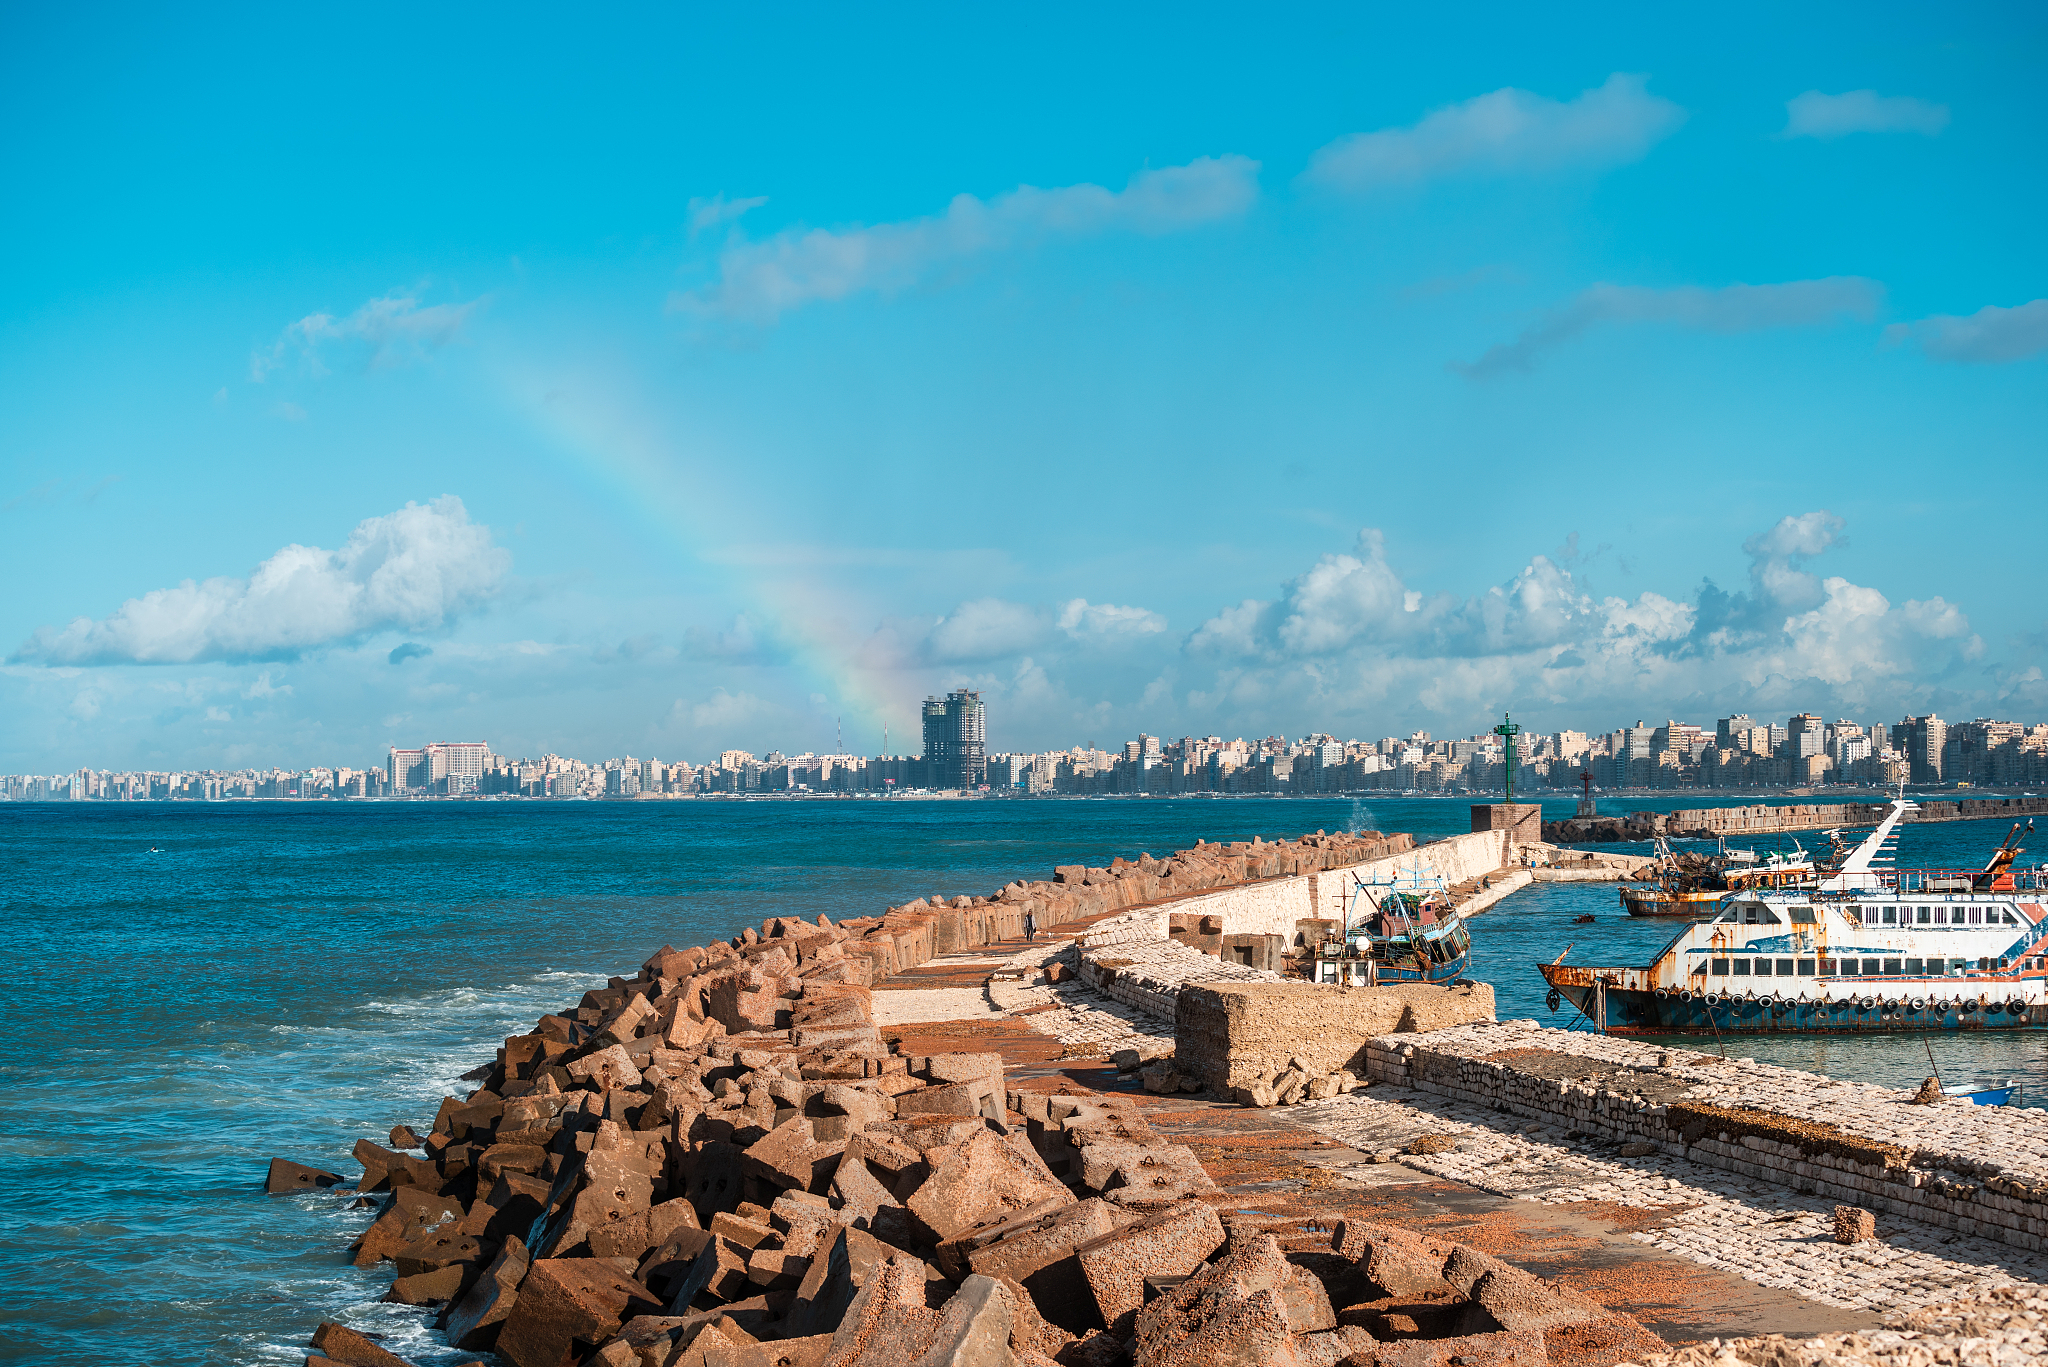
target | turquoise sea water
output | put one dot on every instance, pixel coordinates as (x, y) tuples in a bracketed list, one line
[(286, 978)]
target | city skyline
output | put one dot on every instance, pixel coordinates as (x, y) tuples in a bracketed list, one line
[(1739, 753), (1188, 371)]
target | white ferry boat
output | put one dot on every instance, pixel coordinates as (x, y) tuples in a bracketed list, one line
[(1869, 948)]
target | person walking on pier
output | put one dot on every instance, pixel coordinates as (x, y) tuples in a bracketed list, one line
[(1030, 928)]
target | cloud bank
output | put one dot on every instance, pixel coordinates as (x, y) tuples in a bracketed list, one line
[(1349, 637), (1731, 308), (1989, 336), (758, 281), (389, 331), (1507, 132), (1814, 115), (416, 569)]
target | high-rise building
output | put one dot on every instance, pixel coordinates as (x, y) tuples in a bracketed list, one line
[(1805, 736), (406, 769), (956, 740), (456, 766), (1921, 738)]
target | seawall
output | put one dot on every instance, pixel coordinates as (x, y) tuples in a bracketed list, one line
[(1708, 823)]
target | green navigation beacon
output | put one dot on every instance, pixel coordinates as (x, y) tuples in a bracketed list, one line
[(1507, 731)]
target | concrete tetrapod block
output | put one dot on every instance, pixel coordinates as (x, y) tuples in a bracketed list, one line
[(1170, 1244), (565, 1302), (1039, 1254)]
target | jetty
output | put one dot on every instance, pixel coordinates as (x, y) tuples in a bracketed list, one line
[(1710, 823), (924, 1138)]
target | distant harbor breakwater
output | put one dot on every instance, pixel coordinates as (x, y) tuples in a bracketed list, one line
[(1710, 823)]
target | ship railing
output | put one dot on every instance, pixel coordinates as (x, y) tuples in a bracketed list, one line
[(1936, 881)]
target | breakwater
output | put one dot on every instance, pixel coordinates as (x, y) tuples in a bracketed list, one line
[(721, 1160), (1709, 823)]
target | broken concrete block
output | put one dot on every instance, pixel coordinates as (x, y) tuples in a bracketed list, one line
[(1515, 1299), (285, 1175), (1240, 1309), (1039, 1254), (474, 1322), (977, 1179), (1394, 1262), (1130, 1173), (974, 1328), (566, 1301), (1638, 1148), (1853, 1225), (790, 1157), (1172, 1243), (887, 1323), (837, 1272), (605, 1069), (720, 1269), (342, 1344), (429, 1288)]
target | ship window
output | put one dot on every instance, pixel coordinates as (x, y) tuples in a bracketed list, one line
[(1802, 916), (1871, 968), (1891, 916), (1976, 916), (1806, 968), (1924, 911), (1941, 916), (2006, 916), (1959, 964), (1741, 968), (1720, 968), (1914, 966), (1784, 968), (1829, 968), (1984, 964), (1891, 966), (1749, 913)]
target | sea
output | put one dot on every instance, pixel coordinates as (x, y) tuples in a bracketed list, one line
[(201, 987)]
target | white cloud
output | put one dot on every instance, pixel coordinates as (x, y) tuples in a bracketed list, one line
[(1348, 637), (706, 214), (1509, 132), (724, 713), (760, 281), (1731, 308), (391, 331), (1081, 618), (1814, 115), (1987, 337), (414, 569), (985, 629)]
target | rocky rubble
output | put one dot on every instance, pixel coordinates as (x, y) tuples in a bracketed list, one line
[(719, 1163)]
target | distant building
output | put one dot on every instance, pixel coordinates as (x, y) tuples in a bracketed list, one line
[(406, 769), (456, 766), (956, 740)]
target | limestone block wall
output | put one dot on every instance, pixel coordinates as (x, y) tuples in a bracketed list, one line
[(1231, 1035), (1982, 1171)]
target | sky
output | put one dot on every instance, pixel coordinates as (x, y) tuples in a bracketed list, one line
[(663, 380)]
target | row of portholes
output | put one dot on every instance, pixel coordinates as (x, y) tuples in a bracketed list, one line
[(1778, 1005), (1890, 1005)]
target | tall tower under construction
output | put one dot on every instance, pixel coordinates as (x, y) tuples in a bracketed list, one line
[(955, 740)]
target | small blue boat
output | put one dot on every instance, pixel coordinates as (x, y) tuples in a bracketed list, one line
[(1985, 1094)]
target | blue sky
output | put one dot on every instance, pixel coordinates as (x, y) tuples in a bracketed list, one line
[(671, 379)]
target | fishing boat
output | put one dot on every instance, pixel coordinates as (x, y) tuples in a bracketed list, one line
[(1689, 884), (1399, 929), (1868, 948), (1985, 1094)]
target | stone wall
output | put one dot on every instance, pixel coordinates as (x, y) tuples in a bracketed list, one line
[(1980, 1170), (1230, 1036), (1706, 823)]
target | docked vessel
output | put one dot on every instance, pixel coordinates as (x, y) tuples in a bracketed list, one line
[(1398, 930), (1867, 948), (1691, 885)]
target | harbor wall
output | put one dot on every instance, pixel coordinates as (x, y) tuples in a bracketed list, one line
[(1708, 823), (1979, 1170), (1233, 1036)]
